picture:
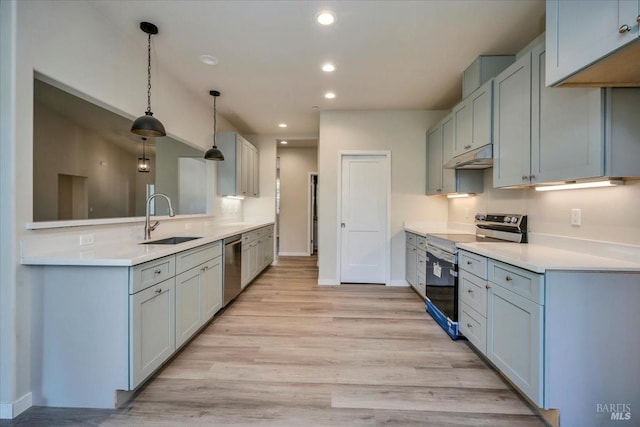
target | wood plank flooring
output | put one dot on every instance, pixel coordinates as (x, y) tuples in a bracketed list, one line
[(290, 353)]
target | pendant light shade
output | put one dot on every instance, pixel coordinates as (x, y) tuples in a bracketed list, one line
[(213, 153), (144, 164), (148, 125)]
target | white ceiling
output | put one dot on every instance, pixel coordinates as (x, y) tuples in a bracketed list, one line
[(389, 54)]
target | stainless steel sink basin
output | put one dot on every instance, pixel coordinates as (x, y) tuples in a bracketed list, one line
[(170, 241)]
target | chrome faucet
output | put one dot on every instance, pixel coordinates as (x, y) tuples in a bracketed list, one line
[(149, 228)]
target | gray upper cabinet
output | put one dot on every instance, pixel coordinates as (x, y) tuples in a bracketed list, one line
[(512, 124), (440, 140), (546, 135), (585, 41), (238, 173), (434, 161), (566, 128), (482, 69), (473, 120)]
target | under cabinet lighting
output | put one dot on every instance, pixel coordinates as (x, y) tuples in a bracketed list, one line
[(460, 195), (577, 185), (235, 197)]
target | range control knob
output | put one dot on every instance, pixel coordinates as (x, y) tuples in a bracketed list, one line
[(507, 219), (514, 219), (480, 217)]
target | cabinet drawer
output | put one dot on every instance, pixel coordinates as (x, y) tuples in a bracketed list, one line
[(144, 275), (473, 263), (411, 239), (259, 233), (196, 256), (473, 292), (522, 282), (421, 242), (473, 327), (268, 229)]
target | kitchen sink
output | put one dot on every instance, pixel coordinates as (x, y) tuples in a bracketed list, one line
[(170, 241)]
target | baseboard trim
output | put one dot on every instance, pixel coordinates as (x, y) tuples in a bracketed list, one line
[(293, 254), (11, 410), (400, 283), (327, 282)]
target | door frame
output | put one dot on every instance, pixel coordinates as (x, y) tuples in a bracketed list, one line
[(310, 207), (387, 251)]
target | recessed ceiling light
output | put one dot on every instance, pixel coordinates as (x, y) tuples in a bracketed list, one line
[(329, 95), (208, 59), (325, 18), (328, 67), (282, 125), (283, 142)]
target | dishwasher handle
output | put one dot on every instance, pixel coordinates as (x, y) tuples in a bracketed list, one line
[(233, 240)]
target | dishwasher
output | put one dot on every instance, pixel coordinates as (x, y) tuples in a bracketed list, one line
[(232, 285)]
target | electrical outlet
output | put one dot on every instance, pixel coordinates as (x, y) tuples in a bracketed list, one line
[(576, 217), (86, 239)]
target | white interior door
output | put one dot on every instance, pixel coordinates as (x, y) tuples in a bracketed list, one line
[(363, 219)]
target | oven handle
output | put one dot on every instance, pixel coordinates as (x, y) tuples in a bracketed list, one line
[(438, 253)]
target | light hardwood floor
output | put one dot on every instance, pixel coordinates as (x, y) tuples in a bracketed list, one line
[(290, 353)]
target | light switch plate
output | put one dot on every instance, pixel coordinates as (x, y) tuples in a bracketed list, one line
[(86, 239), (576, 217)]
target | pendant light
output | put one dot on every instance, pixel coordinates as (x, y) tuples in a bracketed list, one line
[(213, 153), (144, 164), (148, 125)]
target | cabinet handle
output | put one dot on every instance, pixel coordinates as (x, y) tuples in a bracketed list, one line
[(532, 177), (205, 268), (159, 291), (525, 177), (638, 19), (157, 272), (439, 190), (467, 146), (625, 28), (469, 263), (487, 286), (469, 326), (469, 291), (508, 278)]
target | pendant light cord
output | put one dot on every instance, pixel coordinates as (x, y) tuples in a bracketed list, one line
[(214, 120), (149, 74), (143, 156)]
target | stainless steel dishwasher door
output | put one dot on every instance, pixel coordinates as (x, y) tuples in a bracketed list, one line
[(232, 268)]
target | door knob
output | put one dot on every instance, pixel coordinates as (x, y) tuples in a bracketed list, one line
[(342, 225)]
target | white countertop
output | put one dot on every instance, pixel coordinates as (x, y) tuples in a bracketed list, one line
[(130, 253), (541, 258), (423, 230)]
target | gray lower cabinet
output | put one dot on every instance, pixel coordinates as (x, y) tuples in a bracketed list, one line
[(515, 326), (152, 330), (411, 259), (119, 323), (257, 253)]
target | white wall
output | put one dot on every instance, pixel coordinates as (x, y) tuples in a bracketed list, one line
[(295, 165), (401, 132), (608, 214), (69, 42)]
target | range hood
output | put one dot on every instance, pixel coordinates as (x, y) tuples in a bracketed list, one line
[(480, 158)]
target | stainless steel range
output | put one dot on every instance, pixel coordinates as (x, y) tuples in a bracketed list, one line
[(442, 262)]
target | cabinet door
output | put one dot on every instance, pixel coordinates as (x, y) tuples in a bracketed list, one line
[(481, 106), (260, 256), (514, 339), (188, 316), (256, 172), (269, 251), (463, 114), (434, 161), (246, 259), (512, 124), (411, 265), (253, 259), (448, 141), (152, 330), (567, 133), (581, 32), (211, 288), (245, 168)]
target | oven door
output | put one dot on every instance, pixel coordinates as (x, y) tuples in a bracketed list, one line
[(442, 283)]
